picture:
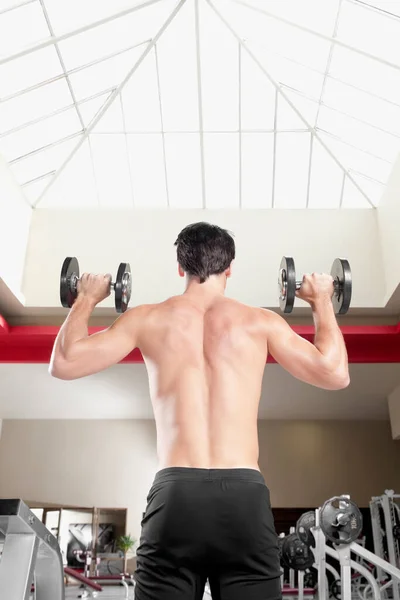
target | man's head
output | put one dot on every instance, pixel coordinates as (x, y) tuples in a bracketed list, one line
[(204, 250)]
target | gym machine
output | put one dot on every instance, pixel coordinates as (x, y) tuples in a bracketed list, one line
[(340, 522), (385, 519), (30, 555)]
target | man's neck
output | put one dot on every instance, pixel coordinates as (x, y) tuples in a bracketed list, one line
[(213, 286)]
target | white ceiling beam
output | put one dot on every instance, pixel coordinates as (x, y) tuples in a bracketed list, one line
[(200, 104)]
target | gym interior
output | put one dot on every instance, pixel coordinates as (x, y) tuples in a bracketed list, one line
[(122, 122)]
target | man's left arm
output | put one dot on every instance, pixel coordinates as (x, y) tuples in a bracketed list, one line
[(77, 354)]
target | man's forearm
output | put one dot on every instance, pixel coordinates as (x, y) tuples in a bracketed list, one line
[(74, 329), (328, 337)]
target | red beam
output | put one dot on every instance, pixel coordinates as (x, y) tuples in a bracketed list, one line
[(365, 344), (4, 326)]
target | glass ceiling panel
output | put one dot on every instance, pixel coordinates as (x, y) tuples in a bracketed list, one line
[(116, 35), (366, 74), (257, 28), (257, 170), (287, 118), (34, 105), (76, 187), (219, 73), (257, 96), (111, 169), (373, 189), (177, 63), (370, 31), (41, 134), (361, 129), (104, 75), (146, 158), (112, 121), (67, 16), (313, 14), (22, 27), (352, 197), (363, 162), (390, 6), (326, 179), (363, 106), (362, 136), (140, 98), (292, 155), (221, 157), (182, 152), (29, 71), (33, 190), (43, 162)]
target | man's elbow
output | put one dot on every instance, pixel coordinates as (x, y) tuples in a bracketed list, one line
[(60, 370), (340, 380)]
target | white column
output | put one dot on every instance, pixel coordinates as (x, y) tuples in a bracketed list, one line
[(389, 223), (394, 412), (15, 218)]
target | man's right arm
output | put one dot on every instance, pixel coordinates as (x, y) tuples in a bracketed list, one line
[(323, 364)]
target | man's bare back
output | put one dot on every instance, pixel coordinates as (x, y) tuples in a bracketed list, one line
[(205, 358)]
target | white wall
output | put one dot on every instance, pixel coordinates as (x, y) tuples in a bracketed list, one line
[(388, 214), (112, 463), (15, 216), (80, 463), (102, 238)]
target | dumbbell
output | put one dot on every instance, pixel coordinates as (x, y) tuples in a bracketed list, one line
[(69, 284), (342, 284)]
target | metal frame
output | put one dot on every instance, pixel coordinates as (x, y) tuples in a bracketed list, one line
[(32, 88), (328, 75), (46, 147), (35, 179), (339, 139), (65, 36), (127, 149), (319, 35), (274, 148), (112, 98), (200, 103), (240, 125), (337, 110), (58, 111), (162, 124), (242, 45), (321, 96), (376, 9), (16, 6), (313, 131)]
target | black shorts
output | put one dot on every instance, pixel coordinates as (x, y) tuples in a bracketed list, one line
[(204, 524)]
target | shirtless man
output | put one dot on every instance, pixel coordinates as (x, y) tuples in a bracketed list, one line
[(208, 512)]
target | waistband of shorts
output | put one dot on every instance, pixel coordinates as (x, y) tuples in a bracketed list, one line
[(194, 474)]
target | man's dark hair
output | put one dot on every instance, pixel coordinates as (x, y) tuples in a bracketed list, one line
[(204, 249)]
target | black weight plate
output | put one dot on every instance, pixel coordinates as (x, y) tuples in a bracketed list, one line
[(303, 528), (123, 287), (287, 284), (341, 273), (295, 554), (341, 520), (68, 293)]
